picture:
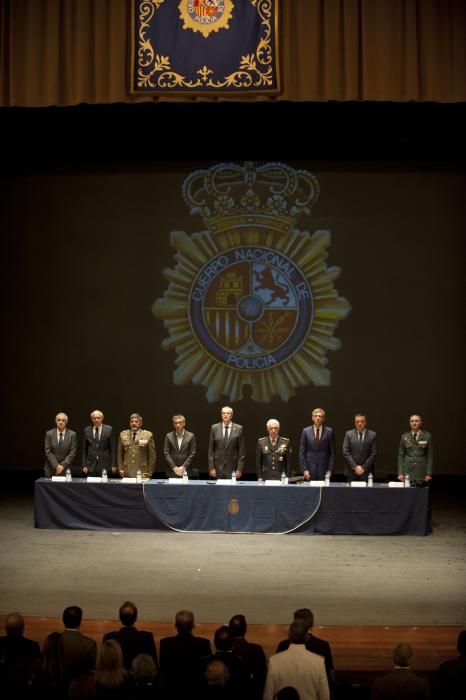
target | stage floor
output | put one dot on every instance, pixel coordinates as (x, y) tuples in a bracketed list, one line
[(346, 580)]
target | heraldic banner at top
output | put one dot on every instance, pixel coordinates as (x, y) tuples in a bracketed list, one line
[(204, 47)]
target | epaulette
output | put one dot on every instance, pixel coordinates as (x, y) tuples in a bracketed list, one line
[(263, 438)]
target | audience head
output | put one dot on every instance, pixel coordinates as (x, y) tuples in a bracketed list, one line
[(305, 614), (298, 632), (461, 645), (72, 617), (224, 639), (238, 625), (184, 621), (109, 669), (217, 673), (402, 654), (128, 613), (143, 668), (14, 624)]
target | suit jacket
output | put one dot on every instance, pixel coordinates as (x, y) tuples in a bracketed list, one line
[(317, 646), (187, 652), (55, 455), (416, 457), (272, 460), (177, 456), (133, 642), (450, 680), (359, 452), (80, 653), (225, 458), (401, 684), (299, 668), (98, 454), (17, 655), (317, 457), (138, 454), (254, 659)]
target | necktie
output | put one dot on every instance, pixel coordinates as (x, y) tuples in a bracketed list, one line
[(96, 434), (359, 437), (60, 440), (415, 437), (134, 436), (225, 437), (317, 434)]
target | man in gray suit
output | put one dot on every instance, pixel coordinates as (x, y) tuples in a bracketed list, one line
[(359, 450), (179, 449), (227, 447), (98, 447), (60, 447)]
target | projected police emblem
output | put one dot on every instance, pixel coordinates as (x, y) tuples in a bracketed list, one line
[(205, 16), (250, 300)]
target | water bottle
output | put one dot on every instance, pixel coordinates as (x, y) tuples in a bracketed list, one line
[(370, 480), (104, 475), (138, 476), (327, 479), (407, 481), (233, 477), (283, 478), (68, 474), (185, 476)]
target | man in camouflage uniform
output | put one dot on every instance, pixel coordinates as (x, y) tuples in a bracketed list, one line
[(273, 453), (136, 450), (416, 454)]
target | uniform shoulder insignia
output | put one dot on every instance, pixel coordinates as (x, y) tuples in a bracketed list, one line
[(262, 439), (287, 439)]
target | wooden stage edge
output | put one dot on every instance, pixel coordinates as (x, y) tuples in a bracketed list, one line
[(355, 649)]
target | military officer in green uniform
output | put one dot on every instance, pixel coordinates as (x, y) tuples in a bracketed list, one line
[(416, 455), (273, 453), (136, 450)]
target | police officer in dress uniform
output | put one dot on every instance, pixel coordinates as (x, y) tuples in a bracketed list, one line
[(136, 450), (273, 453), (416, 453)]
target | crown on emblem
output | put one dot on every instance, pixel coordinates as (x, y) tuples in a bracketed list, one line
[(272, 195)]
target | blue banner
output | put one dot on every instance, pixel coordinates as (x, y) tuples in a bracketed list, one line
[(204, 47)]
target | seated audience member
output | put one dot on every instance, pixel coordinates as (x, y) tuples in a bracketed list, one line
[(132, 640), (314, 644), (297, 667), (111, 678), (401, 683), (217, 678), (450, 681), (251, 654), (185, 650), (48, 673), (80, 651), (17, 654), (148, 683)]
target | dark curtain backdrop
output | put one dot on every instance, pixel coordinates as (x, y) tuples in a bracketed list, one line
[(84, 249), (66, 52)]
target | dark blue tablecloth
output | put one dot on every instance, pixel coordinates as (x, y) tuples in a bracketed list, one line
[(248, 507)]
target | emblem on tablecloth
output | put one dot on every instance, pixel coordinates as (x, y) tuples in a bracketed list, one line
[(233, 506), (251, 300)]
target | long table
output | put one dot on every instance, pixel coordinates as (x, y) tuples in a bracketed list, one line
[(247, 507)]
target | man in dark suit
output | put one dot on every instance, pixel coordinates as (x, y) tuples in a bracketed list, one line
[(132, 640), (450, 681), (98, 447), (17, 654), (179, 449), (359, 450), (80, 651), (317, 448), (314, 644), (60, 447), (251, 654), (273, 453), (184, 651), (227, 447), (401, 683)]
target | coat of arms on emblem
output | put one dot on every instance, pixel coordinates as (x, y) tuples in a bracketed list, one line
[(251, 300), (205, 16)]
